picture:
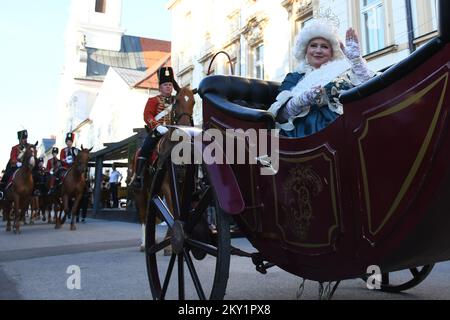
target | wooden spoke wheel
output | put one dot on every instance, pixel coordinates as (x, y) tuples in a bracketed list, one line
[(396, 282), (198, 236)]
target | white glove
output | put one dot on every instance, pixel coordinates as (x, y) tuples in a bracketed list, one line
[(51, 172), (69, 160), (19, 164), (308, 98), (162, 130), (301, 104), (351, 50)]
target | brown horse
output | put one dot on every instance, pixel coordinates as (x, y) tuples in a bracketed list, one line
[(18, 195), (181, 115), (45, 202), (73, 187)]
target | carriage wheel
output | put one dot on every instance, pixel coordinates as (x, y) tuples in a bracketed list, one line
[(199, 234), (396, 282)]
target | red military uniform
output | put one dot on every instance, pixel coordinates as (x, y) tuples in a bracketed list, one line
[(53, 165), (65, 154), (17, 154), (154, 107)]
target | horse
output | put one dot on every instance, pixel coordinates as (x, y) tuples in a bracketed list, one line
[(181, 115), (40, 195), (19, 193), (52, 200), (73, 187)]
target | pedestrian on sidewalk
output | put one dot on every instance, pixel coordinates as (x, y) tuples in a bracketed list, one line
[(115, 181)]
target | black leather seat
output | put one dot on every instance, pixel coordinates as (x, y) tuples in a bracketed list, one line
[(243, 98)]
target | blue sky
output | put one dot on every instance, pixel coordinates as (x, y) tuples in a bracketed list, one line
[(31, 60)]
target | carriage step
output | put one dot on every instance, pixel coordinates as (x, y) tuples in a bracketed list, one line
[(257, 259), (260, 265)]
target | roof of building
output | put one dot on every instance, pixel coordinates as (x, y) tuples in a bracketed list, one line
[(118, 150), (151, 78), (136, 54), (48, 143), (130, 76)]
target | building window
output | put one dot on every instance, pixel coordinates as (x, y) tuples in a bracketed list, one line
[(100, 6), (234, 25), (373, 25), (424, 14), (258, 62)]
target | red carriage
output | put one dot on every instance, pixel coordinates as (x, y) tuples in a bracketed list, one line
[(373, 188)]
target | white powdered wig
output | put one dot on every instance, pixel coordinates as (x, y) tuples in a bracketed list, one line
[(317, 28)]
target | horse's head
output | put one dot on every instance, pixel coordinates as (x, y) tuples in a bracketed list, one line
[(30, 156), (184, 106), (83, 158)]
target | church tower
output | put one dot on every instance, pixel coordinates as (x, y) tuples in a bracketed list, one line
[(94, 25), (97, 23), (100, 58)]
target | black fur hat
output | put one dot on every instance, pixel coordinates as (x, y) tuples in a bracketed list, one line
[(55, 150), (70, 137), (22, 134), (165, 74)]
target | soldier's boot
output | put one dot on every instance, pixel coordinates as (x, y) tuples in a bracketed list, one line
[(138, 182)]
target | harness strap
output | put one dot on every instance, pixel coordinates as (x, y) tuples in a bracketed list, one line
[(185, 114), (163, 113)]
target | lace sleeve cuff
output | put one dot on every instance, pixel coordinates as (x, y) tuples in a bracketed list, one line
[(361, 71)]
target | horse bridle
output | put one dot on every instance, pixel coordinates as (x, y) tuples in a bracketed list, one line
[(80, 167), (177, 117)]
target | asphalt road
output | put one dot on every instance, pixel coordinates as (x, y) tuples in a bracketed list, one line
[(33, 265)]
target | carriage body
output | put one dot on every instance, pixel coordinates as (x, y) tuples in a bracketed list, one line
[(373, 188)]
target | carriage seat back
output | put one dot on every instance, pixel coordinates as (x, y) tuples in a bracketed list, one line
[(247, 99)]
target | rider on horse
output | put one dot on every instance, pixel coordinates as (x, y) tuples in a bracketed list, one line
[(156, 116), (69, 153), (53, 167), (15, 161)]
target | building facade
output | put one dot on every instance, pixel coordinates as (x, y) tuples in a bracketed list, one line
[(108, 75), (259, 35)]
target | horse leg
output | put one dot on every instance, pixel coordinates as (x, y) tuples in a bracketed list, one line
[(57, 207), (74, 212), (61, 215), (7, 213), (17, 215), (49, 206), (142, 212), (66, 208), (142, 209), (42, 200), (33, 210), (142, 248)]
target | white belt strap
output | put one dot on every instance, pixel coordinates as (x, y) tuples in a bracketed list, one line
[(163, 113)]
